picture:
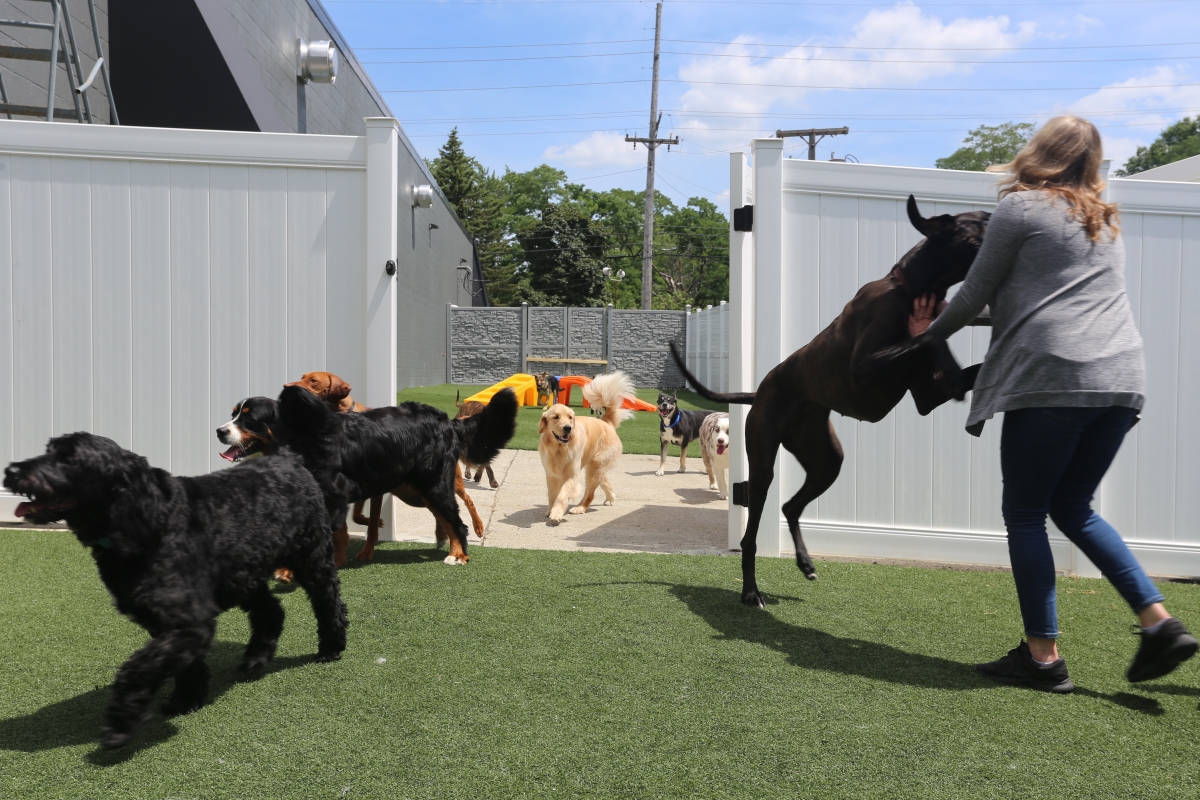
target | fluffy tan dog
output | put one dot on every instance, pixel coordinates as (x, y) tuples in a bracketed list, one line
[(570, 445)]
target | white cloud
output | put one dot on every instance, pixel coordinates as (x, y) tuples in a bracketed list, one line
[(598, 150), (903, 25), (1158, 89)]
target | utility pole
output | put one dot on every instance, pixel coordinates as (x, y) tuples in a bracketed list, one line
[(652, 142), (813, 135)]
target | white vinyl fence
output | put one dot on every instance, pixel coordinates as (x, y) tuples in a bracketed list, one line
[(921, 487), (149, 279), (708, 346)]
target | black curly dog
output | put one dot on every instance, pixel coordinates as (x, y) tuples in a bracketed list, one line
[(176, 552), (411, 450), (861, 366)]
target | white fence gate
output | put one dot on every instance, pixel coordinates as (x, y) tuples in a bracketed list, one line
[(708, 346), (151, 278), (921, 487)]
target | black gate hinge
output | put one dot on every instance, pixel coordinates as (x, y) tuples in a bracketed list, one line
[(743, 218)]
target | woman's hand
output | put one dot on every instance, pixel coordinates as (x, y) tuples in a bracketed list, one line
[(925, 310)]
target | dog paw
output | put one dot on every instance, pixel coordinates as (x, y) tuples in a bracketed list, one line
[(283, 575), (753, 598), (659, 473), (712, 485), (327, 657), (366, 554), (176, 705), (495, 484), (608, 502), (578, 510), (722, 496), (454, 561), (112, 739), (253, 664), (683, 469)]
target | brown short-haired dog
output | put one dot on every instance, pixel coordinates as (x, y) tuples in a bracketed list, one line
[(336, 394), (470, 409)]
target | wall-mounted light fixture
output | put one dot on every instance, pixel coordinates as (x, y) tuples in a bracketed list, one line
[(608, 273), (317, 62), (422, 195)]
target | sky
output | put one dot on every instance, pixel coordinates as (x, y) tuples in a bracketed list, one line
[(529, 82)]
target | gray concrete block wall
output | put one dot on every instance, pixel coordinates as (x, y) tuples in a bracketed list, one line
[(484, 353), (269, 31), (28, 81)]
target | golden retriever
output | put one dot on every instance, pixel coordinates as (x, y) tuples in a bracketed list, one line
[(570, 445)]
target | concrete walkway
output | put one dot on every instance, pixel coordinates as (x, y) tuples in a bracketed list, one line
[(675, 513)]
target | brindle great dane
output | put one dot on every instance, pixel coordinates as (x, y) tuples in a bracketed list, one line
[(860, 366)]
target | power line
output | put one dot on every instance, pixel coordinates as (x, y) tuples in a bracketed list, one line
[(789, 46), (973, 89), (805, 59), (699, 114)]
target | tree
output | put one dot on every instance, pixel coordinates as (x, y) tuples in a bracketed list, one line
[(564, 259), (457, 174), (988, 145), (693, 264), (1177, 142)]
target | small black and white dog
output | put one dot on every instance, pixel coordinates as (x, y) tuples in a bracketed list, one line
[(176, 552), (676, 426)]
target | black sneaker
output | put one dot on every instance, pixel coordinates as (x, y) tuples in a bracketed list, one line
[(1019, 668), (1162, 651)]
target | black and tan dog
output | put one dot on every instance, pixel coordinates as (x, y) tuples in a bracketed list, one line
[(469, 409), (860, 366), (678, 427), (547, 387), (176, 552), (411, 450)]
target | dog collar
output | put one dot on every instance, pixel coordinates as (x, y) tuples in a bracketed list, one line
[(105, 542), (676, 421)]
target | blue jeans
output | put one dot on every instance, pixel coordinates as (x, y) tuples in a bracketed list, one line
[(1052, 460)]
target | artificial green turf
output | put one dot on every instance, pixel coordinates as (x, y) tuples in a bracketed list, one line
[(638, 435), (567, 674)]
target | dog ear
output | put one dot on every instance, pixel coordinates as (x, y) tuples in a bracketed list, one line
[(542, 424), (930, 227), (338, 388)]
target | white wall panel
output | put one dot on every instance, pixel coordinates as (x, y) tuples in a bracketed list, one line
[(1162, 252), (150, 290), (33, 304), (306, 272), (1187, 426), (191, 315), (112, 309), (71, 229), (229, 301), (267, 280), (346, 275), (7, 310)]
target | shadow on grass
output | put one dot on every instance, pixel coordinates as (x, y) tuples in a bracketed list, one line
[(1134, 702), (389, 556), (76, 720), (810, 648)]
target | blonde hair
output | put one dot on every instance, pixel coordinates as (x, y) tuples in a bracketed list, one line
[(1063, 158)]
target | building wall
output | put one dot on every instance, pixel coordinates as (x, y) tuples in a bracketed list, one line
[(269, 31), (28, 81)]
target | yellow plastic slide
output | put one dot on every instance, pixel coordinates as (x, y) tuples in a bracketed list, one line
[(524, 385)]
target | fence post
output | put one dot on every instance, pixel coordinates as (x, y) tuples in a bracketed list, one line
[(608, 314), (723, 348), (524, 339), (450, 342), (689, 357), (383, 205)]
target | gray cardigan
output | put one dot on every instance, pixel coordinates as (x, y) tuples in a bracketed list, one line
[(1062, 330)]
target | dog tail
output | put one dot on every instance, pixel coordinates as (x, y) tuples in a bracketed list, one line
[(608, 392), (736, 398), (482, 436)]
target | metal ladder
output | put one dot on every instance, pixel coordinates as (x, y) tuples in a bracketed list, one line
[(63, 51)]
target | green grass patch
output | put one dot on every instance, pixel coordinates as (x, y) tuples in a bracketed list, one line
[(638, 435), (555, 674)]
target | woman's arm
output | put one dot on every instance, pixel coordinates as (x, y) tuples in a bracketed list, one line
[(1006, 232)]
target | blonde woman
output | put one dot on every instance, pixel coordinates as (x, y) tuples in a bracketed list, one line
[(1065, 366)]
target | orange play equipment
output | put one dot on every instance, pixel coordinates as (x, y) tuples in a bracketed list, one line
[(525, 387), (567, 382)]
